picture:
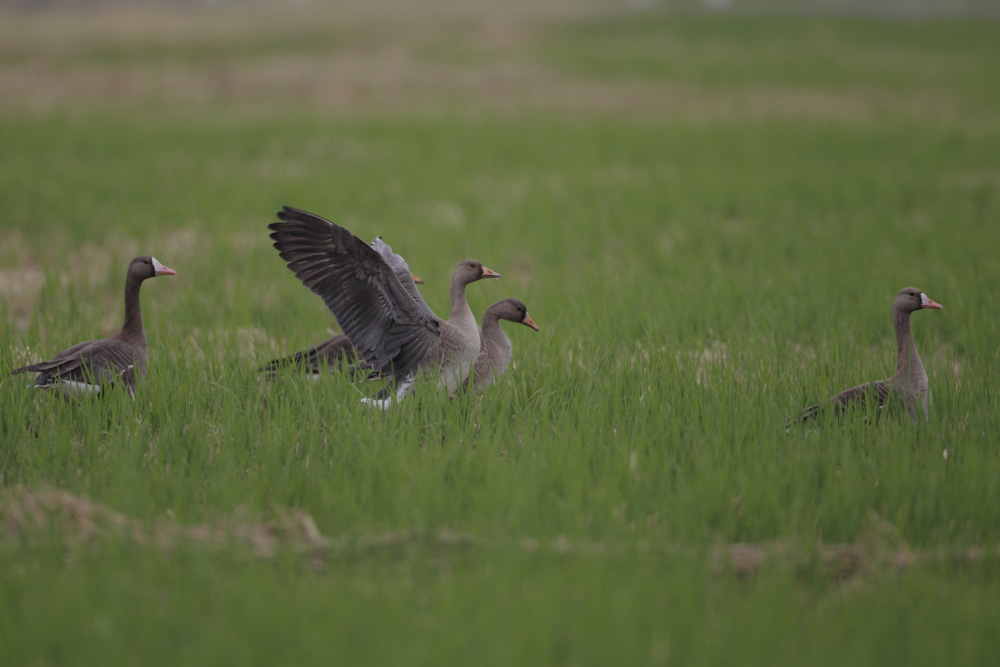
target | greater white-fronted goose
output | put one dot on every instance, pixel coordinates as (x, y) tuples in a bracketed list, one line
[(494, 346), (908, 384), (336, 353), (390, 330), (91, 366)]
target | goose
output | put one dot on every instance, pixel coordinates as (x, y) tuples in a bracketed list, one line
[(336, 353), (394, 334), (494, 346), (89, 367), (909, 383)]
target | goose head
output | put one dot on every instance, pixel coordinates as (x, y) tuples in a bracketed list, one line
[(513, 310), (910, 299), (469, 271), (144, 267)]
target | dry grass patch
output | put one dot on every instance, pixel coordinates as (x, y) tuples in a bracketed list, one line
[(360, 61), (396, 79)]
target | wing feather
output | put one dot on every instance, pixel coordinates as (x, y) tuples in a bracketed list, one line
[(876, 392), (374, 310), (100, 361), (334, 353), (859, 397)]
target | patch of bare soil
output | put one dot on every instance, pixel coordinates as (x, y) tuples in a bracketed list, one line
[(28, 516), (31, 514)]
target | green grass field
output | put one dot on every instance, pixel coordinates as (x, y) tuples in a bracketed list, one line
[(708, 217)]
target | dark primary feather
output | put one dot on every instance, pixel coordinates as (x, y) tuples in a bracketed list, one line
[(335, 352), (377, 315)]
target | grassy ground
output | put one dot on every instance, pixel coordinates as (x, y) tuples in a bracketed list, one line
[(707, 216)]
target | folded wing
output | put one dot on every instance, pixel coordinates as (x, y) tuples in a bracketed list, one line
[(104, 361)]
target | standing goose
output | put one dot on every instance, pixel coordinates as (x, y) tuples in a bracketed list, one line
[(392, 332), (494, 346), (336, 353), (909, 383), (90, 366)]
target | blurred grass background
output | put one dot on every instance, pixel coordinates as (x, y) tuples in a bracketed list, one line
[(708, 214)]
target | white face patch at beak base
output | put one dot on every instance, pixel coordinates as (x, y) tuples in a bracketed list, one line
[(160, 270), (925, 302)]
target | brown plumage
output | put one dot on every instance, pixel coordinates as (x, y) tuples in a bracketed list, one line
[(908, 384), (390, 330), (494, 347), (90, 366)]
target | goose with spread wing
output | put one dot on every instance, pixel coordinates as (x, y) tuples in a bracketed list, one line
[(336, 353), (392, 332)]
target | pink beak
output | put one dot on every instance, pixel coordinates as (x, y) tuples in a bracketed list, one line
[(160, 270), (925, 302)]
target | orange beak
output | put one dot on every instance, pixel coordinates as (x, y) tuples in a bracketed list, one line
[(490, 273), (528, 322), (417, 279)]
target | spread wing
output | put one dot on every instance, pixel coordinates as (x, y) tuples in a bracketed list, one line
[(375, 312)]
